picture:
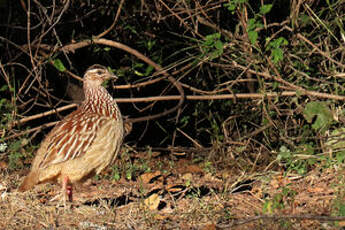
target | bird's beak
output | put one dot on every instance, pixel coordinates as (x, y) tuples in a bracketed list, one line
[(113, 77)]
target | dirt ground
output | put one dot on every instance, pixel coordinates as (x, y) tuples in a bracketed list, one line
[(161, 192)]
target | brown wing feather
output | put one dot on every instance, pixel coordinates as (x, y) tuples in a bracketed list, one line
[(71, 138)]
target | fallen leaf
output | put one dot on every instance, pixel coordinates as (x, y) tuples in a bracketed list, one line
[(152, 201), (341, 223), (3, 165), (174, 187), (190, 169), (147, 177), (209, 227), (160, 217), (187, 176)]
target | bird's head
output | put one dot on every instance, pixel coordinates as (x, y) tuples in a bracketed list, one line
[(95, 75)]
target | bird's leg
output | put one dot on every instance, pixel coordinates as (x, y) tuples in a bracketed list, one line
[(67, 190)]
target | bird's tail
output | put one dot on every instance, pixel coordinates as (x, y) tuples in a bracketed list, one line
[(29, 181)]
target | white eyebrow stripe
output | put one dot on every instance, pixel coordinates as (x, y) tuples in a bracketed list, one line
[(95, 70)]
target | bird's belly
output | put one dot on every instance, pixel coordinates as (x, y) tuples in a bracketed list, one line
[(101, 154)]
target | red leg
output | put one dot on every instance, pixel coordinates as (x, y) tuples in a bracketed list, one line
[(67, 190)]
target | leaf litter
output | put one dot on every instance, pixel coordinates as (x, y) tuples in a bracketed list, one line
[(177, 194)]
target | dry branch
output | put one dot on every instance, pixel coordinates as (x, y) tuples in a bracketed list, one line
[(188, 97)]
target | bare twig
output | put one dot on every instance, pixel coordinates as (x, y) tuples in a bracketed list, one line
[(114, 22), (168, 98)]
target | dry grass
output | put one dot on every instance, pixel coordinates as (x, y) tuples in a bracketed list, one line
[(176, 194)]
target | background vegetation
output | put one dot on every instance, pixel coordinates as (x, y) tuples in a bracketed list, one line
[(263, 80)]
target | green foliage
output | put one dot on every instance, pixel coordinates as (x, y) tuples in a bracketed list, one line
[(59, 65), (341, 208), (128, 169), (338, 204), (335, 143), (15, 153), (255, 23), (138, 67), (280, 200), (212, 46), (13, 149), (150, 44), (116, 173), (275, 203), (212, 52), (253, 35), (208, 167), (323, 115), (6, 108), (275, 47), (232, 5), (298, 161), (264, 9)]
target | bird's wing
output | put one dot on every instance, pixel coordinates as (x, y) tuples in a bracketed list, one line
[(70, 138)]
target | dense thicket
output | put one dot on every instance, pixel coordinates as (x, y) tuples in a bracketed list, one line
[(262, 79)]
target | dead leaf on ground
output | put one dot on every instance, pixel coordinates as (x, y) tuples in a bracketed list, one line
[(174, 188), (279, 181), (3, 165), (147, 177), (190, 169), (160, 217), (187, 176), (341, 223), (152, 201), (209, 227)]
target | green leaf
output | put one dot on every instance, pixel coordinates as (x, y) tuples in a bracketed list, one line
[(219, 50), (321, 111), (281, 41), (219, 45), (231, 6), (251, 24), (138, 65), (284, 153), (148, 70), (150, 44), (59, 65), (275, 85), (267, 208), (2, 101), (264, 9), (277, 43), (4, 88), (15, 146), (211, 38), (277, 55), (340, 157), (138, 73), (212, 46), (305, 19), (253, 36)]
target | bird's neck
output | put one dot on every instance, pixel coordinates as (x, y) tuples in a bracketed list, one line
[(98, 100)]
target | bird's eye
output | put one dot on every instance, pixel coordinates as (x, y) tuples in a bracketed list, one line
[(99, 72)]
